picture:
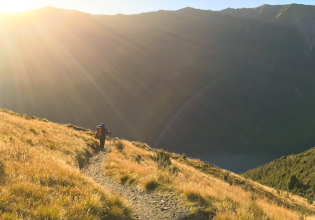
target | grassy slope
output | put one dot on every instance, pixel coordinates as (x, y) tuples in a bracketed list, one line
[(202, 185), (40, 176), (277, 173)]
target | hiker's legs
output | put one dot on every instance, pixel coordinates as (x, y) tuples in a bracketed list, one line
[(102, 143)]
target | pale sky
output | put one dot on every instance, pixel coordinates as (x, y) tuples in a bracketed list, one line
[(137, 6)]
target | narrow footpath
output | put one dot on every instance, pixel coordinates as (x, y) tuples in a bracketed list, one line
[(145, 205)]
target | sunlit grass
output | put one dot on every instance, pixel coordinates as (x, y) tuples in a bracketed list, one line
[(221, 193), (40, 177), (40, 173)]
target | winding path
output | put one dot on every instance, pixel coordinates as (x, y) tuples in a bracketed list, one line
[(145, 205)]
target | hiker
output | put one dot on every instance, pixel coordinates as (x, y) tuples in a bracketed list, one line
[(101, 134)]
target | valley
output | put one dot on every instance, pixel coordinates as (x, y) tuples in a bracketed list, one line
[(204, 83)]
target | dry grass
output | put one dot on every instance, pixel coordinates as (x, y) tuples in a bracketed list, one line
[(40, 173), (235, 198), (40, 178)]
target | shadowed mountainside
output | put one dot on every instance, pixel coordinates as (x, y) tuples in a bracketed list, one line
[(294, 173), (233, 84)]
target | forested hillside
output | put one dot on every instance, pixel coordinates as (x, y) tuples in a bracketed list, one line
[(295, 173)]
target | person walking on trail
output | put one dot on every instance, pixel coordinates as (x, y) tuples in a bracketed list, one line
[(101, 134)]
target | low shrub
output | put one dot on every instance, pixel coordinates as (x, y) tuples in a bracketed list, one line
[(49, 213), (151, 184), (82, 158), (194, 196), (184, 156), (2, 173), (310, 198), (163, 159), (8, 216), (174, 170), (119, 145), (123, 179), (251, 211), (33, 130), (138, 158), (226, 176)]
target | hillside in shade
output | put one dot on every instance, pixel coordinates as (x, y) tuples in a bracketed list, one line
[(228, 86), (294, 173)]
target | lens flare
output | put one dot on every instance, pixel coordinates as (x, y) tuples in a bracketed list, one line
[(8, 6)]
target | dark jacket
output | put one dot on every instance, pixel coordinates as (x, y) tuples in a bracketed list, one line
[(104, 131)]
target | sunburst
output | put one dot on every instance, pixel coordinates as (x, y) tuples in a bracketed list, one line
[(8, 6)]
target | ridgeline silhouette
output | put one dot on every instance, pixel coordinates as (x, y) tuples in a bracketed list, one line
[(222, 86)]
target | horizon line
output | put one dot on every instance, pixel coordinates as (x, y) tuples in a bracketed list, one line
[(202, 9)]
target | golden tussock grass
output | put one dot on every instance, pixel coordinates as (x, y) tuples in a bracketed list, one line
[(226, 197), (40, 173)]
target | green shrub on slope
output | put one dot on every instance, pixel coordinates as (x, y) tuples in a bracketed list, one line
[(295, 173)]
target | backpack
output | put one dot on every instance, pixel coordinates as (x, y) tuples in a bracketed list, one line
[(98, 132)]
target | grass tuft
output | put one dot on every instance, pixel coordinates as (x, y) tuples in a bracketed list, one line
[(138, 158), (33, 130), (3, 174), (119, 145), (163, 159), (194, 196), (184, 156), (124, 179), (174, 170), (49, 213), (8, 216), (150, 184), (82, 158)]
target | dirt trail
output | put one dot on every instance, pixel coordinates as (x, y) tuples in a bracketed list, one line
[(145, 205)]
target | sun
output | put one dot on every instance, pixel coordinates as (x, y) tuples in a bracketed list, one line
[(8, 6)]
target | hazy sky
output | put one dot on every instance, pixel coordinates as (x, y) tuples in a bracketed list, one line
[(138, 6)]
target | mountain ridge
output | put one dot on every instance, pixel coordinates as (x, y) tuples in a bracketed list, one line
[(292, 15), (228, 86)]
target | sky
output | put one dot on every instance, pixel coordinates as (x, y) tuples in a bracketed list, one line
[(137, 6)]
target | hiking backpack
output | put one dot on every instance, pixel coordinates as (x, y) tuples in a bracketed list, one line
[(98, 132)]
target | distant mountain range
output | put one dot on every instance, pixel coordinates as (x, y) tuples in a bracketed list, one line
[(233, 87)]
